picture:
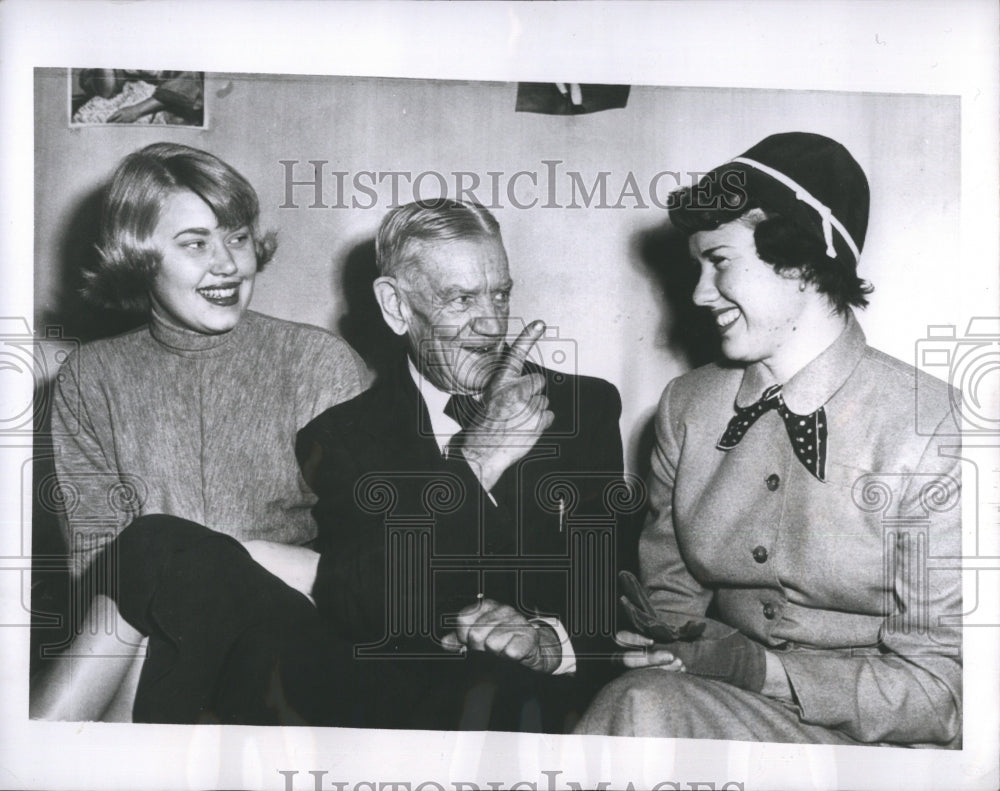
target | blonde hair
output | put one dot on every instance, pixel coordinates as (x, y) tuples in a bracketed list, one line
[(127, 259)]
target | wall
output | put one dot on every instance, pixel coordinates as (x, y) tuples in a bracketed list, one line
[(594, 273)]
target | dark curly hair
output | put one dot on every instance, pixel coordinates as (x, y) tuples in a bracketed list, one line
[(127, 260), (785, 242)]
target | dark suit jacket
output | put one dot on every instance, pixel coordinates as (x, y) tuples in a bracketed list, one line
[(408, 537)]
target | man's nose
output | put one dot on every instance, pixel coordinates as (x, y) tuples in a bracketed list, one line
[(491, 319), (223, 262), (705, 292)]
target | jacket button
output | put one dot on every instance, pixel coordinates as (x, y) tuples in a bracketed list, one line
[(772, 481), (769, 611), (760, 554)]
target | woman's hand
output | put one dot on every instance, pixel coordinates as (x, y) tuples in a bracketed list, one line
[(641, 653), (294, 565)]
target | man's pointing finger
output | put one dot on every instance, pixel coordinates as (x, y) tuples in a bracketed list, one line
[(513, 361)]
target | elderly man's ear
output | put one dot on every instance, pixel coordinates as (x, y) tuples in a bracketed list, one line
[(389, 300)]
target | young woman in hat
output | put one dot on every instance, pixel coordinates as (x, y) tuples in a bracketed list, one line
[(794, 503), (181, 434)]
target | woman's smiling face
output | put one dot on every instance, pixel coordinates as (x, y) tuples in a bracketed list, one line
[(206, 275), (759, 312)]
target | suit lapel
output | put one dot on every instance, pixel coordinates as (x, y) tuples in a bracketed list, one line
[(393, 417)]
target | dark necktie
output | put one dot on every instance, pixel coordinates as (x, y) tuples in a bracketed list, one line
[(464, 410), (807, 432)]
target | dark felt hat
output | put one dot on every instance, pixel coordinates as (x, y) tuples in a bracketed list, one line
[(811, 179)]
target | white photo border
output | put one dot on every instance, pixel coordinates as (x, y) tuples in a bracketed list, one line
[(892, 47)]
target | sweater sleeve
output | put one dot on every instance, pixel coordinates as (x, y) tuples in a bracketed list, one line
[(330, 372), (93, 498)]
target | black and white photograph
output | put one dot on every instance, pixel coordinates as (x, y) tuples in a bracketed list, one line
[(136, 96), (560, 420)]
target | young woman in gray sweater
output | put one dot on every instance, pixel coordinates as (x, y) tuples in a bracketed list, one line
[(192, 416)]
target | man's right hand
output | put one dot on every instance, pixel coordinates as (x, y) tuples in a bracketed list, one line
[(515, 413), (499, 629)]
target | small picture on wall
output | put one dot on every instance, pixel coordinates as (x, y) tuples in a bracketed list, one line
[(99, 97)]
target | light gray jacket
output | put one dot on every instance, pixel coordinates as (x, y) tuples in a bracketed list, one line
[(853, 581)]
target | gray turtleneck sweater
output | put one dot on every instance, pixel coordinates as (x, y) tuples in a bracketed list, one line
[(197, 426)]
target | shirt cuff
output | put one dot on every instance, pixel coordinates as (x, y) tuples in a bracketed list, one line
[(567, 663)]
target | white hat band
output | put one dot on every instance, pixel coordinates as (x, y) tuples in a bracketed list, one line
[(801, 193)]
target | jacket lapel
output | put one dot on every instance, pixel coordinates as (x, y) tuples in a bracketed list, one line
[(392, 420)]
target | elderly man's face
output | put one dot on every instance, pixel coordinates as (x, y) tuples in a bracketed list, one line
[(455, 300)]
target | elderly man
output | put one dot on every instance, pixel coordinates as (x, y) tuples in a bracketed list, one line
[(449, 495)]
